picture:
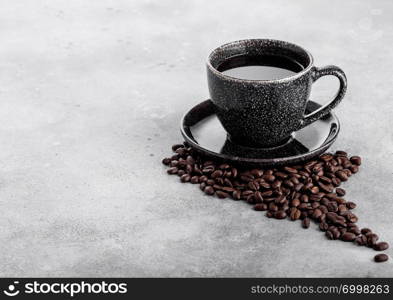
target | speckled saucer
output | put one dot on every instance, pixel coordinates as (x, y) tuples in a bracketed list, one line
[(201, 128)]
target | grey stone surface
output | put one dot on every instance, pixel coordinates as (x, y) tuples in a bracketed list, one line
[(91, 97)]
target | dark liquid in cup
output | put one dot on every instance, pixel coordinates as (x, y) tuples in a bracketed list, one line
[(262, 67)]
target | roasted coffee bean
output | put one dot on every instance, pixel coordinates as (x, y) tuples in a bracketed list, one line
[(342, 175), (181, 173), (381, 258), (306, 223), (269, 214), (381, 246), (323, 226), (177, 146), (336, 181), (365, 231), (295, 202), (273, 207), (361, 240), (317, 213), (269, 178), (355, 230), (174, 163), (290, 170), (209, 190), (256, 172), (348, 237), (247, 178), (340, 192), (304, 198), (352, 217), (166, 161), (281, 175), (372, 239), (224, 166), (260, 206), (221, 194), (189, 169), (194, 179), (328, 188), (236, 195), (210, 182), (351, 205), (202, 186), (172, 170), (258, 197), (294, 214), (253, 186), (280, 214), (354, 169), (329, 235), (356, 160), (216, 174)]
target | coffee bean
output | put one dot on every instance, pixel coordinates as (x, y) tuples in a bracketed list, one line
[(253, 186), (355, 230), (351, 205), (356, 160), (260, 206), (317, 213), (221, 194), (372, 239), (381, 246), (209, 190), (194, 179), (280, 214), (210, 182), (342, 175), (365, 230), (180, 173), (323, 226), (166, 161), (328, 188), (281, 175), (172, 170), (336, 181), (341, 153), (329, 235), (224, 166), (177, 146), (348, 237), (294, 214), (256, 172), (216, 174), (258, 197), (236, 195), (354, 169), (340, 192), (381, 258), (361, 240), (306, 223), (290, 170)]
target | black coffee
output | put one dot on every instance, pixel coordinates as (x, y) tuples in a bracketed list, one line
[(266, 67)]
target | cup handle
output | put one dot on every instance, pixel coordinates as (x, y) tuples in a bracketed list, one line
[(324, 110)]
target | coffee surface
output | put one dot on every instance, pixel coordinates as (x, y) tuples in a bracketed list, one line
[(265, 67)]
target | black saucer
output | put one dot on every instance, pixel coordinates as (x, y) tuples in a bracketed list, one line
[(201, 128)]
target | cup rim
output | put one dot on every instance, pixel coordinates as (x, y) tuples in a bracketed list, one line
[(280, 80)]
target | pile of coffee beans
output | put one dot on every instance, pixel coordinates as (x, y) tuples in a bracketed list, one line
[(310, 191)]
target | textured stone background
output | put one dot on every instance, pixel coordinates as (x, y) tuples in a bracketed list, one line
[(91, 96)]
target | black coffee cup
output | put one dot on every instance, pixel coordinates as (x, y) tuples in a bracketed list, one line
[(264, 113)]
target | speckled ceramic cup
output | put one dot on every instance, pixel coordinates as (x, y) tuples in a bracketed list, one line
[(264, 113)]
